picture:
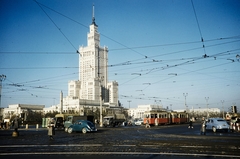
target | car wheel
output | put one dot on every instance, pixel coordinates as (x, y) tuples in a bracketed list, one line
[(84, 130), (214, 129), (66, 129), (70, 130)]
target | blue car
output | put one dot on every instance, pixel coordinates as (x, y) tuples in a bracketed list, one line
[(215, 124), (82, 125)]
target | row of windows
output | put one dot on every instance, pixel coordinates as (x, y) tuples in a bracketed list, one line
[(156, 115), (88, 53)]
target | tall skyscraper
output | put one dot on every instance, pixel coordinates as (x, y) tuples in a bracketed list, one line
[(93, 68)]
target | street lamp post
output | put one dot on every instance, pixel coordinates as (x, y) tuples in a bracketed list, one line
[(129, 103), (222, 101), (2, 78), (100, 100), (185, 95), (207, 98)]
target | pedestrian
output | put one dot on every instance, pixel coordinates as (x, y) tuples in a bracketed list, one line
[(203, 126), (16, 124), (190, 124), (147, 124), (96, 122), (51, 129)]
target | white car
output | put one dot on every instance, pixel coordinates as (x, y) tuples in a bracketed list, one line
[(138, 122), (215, 124)]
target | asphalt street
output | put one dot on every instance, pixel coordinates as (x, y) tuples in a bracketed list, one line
[(168, 141)]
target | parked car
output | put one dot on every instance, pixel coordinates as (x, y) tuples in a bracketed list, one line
[(138, 122), (215, 124), (82, 125)]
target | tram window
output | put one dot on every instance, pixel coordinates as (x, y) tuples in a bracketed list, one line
[(152, 115), (155, 115)]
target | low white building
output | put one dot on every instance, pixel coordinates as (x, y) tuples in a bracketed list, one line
[(72, 105), (200, 110), (15, 109), (139, 111)]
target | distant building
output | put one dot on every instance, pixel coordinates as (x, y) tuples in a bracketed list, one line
[(15, 109), (201, 110), (206, 112), (93, 84), (139, 111)]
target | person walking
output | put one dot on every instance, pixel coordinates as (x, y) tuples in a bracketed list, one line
[(147, 123), (190, 124), (96, 122), (16, 125), (51, 129), (203, 126)]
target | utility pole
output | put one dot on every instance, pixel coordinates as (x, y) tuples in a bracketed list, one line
[(2, 78), (100, 101), (223, 107), (129, 103), (61, 102), (185, 95), (206, 98)]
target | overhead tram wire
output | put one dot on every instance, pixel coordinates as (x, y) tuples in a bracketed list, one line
[(178, 43), (169, 53), (56, 25), (25, 68), (180, 64), (34, 53), (135, 47), (198, 27), (86, 27), (61, 14)]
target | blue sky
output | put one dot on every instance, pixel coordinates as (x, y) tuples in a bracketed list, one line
[(155, 49)]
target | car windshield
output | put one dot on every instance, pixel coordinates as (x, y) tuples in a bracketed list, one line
[(220, 120), (89, 123)]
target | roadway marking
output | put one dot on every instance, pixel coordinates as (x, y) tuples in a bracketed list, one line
[(232, 147), (124, 145), (62, 145), (119, 153), (197, 146), (100, 145), (110, 153)]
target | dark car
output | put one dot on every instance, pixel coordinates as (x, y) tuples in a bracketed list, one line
[(82, 125)]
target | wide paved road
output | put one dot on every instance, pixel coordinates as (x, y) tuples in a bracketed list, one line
[(174, 141)]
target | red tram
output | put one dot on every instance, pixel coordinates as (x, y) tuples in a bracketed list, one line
[(165, 117)]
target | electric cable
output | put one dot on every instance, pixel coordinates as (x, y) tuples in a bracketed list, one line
[(56, 25)]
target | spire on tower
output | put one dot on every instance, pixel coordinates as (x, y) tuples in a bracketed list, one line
[(93, 17)]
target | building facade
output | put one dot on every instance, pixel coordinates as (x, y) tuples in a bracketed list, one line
[(93, 67), (137, 113), (74, 89), (93, 85), (21, 108)]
